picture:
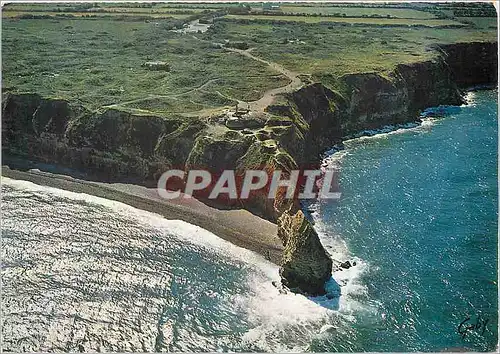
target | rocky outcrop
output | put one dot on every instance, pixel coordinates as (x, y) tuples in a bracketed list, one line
[(218, 153), (472, 63), (321, 109), (114, 144), (305, 266), (110, 144)]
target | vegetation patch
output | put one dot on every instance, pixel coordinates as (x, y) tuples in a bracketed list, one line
[(382, 21), (104, 54)]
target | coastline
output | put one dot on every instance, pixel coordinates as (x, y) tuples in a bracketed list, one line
[(239, 227), (424, 119), (393, 107), (298, 130)]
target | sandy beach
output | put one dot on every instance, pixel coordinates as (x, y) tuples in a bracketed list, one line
[(239, 227)]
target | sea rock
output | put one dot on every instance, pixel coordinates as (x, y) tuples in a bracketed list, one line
[(281, 289), (305, 264), (330, 296), (346, 265)]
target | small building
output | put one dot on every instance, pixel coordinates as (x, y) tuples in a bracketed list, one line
[(269, 6), (156, 65)]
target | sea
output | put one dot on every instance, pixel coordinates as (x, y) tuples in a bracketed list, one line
[(418, 214)]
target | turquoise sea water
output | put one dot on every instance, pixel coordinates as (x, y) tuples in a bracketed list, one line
[(418, 213), (420, 208)]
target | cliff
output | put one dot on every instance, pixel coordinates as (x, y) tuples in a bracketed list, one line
[(134, 146), (472, 64), (111, 144)]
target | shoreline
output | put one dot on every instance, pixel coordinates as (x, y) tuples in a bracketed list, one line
[(240, 227), (426, 114)]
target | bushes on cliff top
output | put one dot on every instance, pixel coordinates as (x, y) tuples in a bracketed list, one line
[(98, 62), (217, 153)]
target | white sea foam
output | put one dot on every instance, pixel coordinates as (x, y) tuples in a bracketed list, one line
[(389, 130), (333, 161), (276, 318), (295, 319), (349, 279), (271, 313), (183, 230), (470, 98), (280, 322)]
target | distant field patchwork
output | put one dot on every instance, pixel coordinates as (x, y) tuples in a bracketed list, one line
[(357, 11), (362, 20), (12, 14), (96, 52)]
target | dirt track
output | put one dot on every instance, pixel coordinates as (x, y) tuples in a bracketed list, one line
[(268, 97)]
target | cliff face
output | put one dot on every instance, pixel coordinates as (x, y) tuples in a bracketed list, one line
[(368, 101), (118, 145), (305, 266), (372, 101), (472, 63), (111, 144)]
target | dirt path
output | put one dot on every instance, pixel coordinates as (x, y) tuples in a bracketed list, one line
[(269, 95), (199, 88), (258, 105)]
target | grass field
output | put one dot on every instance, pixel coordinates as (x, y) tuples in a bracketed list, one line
[(102, 10), (97, 60), (357, 20), (105, 7), (20, 14), (334, 50), (480, 22), (155, 9), (357, 11)]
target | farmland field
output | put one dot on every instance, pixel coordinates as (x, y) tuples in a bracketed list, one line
[(59, 14), (357, 11), (480, 22), (356, 20), (94, 53)]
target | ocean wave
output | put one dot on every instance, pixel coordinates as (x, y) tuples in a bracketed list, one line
[(277, 321), (181, 229), (350, 280), (332, 158)]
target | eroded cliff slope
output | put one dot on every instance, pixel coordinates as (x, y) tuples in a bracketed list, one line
[(132, 146)]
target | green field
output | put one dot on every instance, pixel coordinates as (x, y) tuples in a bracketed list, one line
[(104, 7), (329, 49), (358, 11), (153, 10), (95, 54), (20, 14), (357, 20), (480, 22), (99, 62)]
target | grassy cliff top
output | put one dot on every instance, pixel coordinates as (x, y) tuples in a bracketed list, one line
[(98, 54)]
